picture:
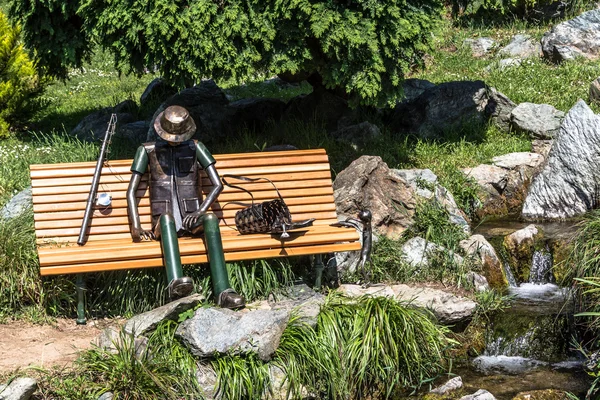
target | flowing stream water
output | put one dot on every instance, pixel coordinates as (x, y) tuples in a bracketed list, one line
[(530, 345)]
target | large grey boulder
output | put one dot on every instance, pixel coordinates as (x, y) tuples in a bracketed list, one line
[(357, 135), (540, 121), (134, 132), (578, 37), (148, 321), (207, 105), (217, 330), (18, 389), (440, 108), (480, 46), (521, 46), (303, 301), (17, 205), (448, 308), (424, 183), (321, 105), (93, 127), (478, 248), (112, 339), (368, 183), (253, 113), (413, 88), (569, 182), (157, 91)]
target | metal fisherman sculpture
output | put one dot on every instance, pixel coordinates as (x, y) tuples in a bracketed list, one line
[(176, 202)]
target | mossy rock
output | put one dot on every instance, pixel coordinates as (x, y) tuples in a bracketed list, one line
[(550, 394), (561, 269), (519, 247)]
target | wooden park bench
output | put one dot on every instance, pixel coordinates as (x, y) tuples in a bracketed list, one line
[(60, 193)]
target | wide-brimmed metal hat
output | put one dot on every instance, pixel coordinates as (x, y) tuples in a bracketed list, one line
[(175, 124)]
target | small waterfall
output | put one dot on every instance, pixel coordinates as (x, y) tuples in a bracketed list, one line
[(512, 282), (541, 267)]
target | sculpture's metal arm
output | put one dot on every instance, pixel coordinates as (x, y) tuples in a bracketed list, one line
[(138, 168)]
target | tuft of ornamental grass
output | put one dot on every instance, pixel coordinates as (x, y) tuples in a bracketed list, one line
[(584, 260), (369, 347), (164, 369), (241, 377)]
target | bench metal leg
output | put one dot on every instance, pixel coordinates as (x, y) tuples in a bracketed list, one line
[(318, 266), (80, 285)]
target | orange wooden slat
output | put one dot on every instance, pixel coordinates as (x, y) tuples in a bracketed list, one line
[(123, 220), (129, 251), (197, 259)]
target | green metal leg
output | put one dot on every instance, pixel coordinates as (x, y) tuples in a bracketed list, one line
[(318, 265), (80, 285), (216, 257), (170, 248)]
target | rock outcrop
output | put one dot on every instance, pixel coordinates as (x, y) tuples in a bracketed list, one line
[(218, 330), (539, 121), (368, 183), (478, 247), (578, 37), (447, 307), (569, 183)]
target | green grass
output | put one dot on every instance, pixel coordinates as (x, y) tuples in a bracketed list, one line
[(535, 81), (364, 348)]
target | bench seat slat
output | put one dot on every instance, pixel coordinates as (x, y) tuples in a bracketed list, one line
[(246, 171), (109, 178), (189, 246), (197, 259), (100, 230)]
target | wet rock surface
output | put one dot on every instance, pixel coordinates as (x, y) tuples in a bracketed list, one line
[(478, 247)]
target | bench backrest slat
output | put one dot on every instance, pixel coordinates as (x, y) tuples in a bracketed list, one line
[(60, 192)]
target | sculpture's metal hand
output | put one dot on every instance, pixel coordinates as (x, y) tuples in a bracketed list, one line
[(139, 234), (193, 222)]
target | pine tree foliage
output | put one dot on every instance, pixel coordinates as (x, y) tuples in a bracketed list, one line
[(362, 48), (19, 81)]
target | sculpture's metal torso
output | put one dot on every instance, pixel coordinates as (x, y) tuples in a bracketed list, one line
[(175, 185)]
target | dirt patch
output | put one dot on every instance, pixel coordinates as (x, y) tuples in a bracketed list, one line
[(24, 344)]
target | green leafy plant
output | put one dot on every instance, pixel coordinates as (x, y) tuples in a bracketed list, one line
[(366, 347), (164, 369), (19, 80), (361, 48), (241, 377)]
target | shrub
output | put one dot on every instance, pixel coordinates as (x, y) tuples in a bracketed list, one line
[(19, 80), (361, 48)]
